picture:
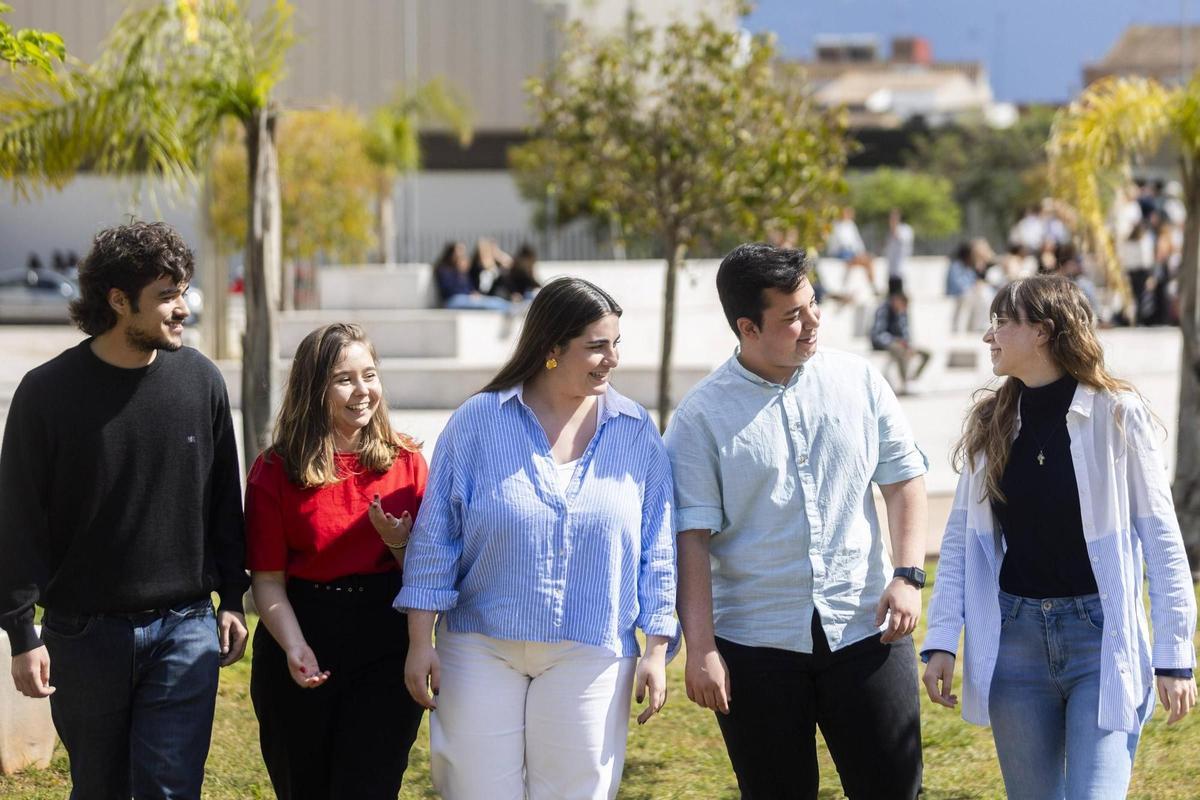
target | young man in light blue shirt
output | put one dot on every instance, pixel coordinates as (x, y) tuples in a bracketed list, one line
[(793, 614)]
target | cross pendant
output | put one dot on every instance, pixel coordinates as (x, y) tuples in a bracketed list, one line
[(1041, 458)]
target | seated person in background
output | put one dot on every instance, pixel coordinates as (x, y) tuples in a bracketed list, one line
[(489, 269), (522, 282), (890, 334), (452, 274)]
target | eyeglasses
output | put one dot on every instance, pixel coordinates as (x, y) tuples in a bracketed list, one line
[(999, 322)]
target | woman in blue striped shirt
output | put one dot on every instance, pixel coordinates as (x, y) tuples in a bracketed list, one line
[(1062, 503), (544, 540)]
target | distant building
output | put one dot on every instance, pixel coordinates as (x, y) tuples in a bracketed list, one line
[(850, 71), (1167, 53), (359, 53)]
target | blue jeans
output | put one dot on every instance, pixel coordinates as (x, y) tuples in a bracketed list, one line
[(483, 302), (134, 699), (1044, 700)]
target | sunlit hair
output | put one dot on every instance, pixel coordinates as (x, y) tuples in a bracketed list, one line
[(1060, 306), (303, 435), (561, 311)]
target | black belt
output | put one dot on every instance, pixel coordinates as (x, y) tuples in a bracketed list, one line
[(349, 584)]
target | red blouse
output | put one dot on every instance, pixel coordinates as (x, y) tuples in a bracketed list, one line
[(324, 533)]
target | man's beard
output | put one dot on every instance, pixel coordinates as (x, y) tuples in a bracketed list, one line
[(146, 343)]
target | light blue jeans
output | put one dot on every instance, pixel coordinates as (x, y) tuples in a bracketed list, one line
[(1044, 700)]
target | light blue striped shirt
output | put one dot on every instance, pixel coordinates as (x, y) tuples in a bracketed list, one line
[(502, 550), (1128, 521), (782, 477)]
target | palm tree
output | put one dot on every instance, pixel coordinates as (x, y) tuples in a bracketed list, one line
[(1093, 140), (152, 104), (392, 144)]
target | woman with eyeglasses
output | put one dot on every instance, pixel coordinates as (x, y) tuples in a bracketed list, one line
[(1062, 504)]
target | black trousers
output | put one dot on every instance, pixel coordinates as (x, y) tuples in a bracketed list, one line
[(864, 699), (350, 737)]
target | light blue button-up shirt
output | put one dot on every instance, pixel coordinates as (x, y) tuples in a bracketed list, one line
[(782, 477), (504, 551)]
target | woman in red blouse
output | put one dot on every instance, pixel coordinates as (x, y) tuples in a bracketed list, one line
[(329, 506)]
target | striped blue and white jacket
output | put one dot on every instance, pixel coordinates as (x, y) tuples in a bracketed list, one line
[(503, 551), (1128, 521)]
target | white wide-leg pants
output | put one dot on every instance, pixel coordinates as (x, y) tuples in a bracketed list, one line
[(528, 720)]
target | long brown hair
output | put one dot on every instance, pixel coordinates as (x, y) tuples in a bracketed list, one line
[(561, 311), (303, 435), (1061, 307)]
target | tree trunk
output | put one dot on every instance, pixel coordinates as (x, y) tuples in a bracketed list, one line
[(1186, 490), (674, 255), (263, 246), (386, 205)]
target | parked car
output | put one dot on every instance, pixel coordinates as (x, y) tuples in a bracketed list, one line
[(35, 296), (43, 296)]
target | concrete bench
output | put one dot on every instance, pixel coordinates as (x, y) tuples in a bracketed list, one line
[(27, 733)]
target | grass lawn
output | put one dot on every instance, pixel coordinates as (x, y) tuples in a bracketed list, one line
[(679, 755)]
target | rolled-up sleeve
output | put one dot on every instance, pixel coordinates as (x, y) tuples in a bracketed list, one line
[(696, 468), (435, 547), (1172, 603), (899, 457), (656, 574)]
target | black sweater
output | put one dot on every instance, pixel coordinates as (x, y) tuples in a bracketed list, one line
[(1043, 527), (119, 490)]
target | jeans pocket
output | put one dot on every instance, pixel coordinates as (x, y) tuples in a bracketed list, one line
[(1010, 607), (68, 626), (1093, 615), (200, 608)]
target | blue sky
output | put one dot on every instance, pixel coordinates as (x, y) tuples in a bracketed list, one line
[(1034, 49)]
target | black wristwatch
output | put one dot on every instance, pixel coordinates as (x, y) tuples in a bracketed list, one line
[(914, 575)]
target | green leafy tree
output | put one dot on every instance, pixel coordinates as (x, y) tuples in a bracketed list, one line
[(326, 185), (685, 136), (393, 145), (998, 170), (1113, 122), (29, 47), (170, 73), (925, 201)]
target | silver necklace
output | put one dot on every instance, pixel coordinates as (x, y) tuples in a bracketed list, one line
[(1041, 443)]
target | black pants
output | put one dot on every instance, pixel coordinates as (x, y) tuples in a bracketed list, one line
[(864, 699), (349, 737)]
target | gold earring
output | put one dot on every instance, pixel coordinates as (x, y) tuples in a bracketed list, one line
[(551, 363)]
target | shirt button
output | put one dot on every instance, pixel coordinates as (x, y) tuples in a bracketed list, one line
[(1103, 597), (802, 460), (1113, 633), (558, 623), (1095, 559)]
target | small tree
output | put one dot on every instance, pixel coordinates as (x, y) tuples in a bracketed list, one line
[(325, 180), (392, 142), (685, 136), (1114, 121), (29, 47), (998, 170), (925, 201), (153, 103)]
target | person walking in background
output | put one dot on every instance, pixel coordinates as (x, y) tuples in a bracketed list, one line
[(890, 334), (793, 614), (544, 542), (120, 495), (960, 278), (1062, 505), (898, 250), (456, 289), (329, 507)]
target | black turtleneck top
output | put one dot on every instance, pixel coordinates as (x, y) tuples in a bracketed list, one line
[(1046, 553)]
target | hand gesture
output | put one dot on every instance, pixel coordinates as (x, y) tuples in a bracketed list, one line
[(903, 601), (1178, 696), (302, 664), (234, 634), (423, 674), (707, 680), (651, 681), (393, 530), (939, 677), (31, 672)]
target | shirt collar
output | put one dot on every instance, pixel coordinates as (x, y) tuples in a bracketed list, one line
[(614, 402), (1082, 402), (735, 366)]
